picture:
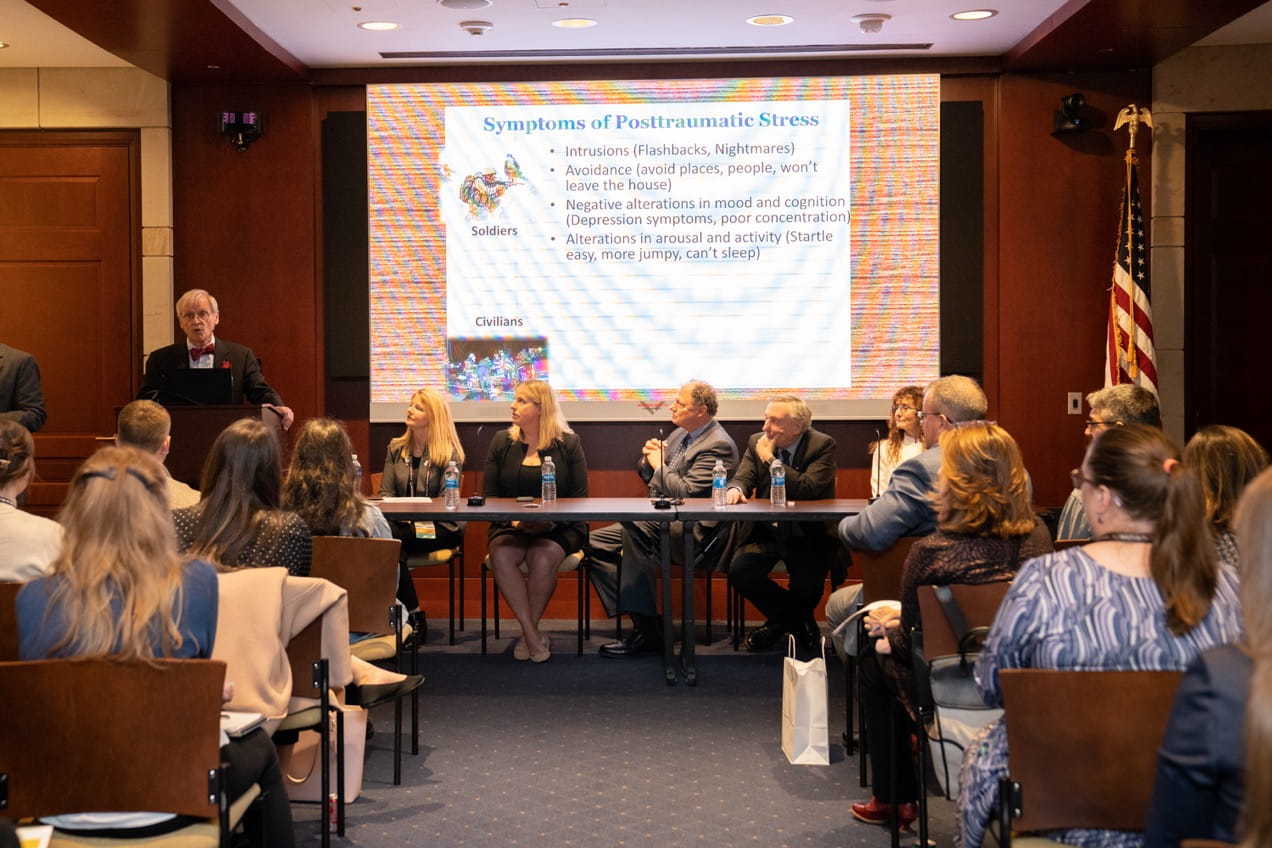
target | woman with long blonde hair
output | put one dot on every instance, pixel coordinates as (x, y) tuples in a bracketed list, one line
[(1211, 760), (512, 469), (119, 589), (414, 466)]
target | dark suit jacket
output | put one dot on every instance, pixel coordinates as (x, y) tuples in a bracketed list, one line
[(690, 477), (810, 476), (1200, 766), (503, 469), (248, 381), (21, 398)]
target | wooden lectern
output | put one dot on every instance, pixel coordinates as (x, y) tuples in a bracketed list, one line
[(195, 428)]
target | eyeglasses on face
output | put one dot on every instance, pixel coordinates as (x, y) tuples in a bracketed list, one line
[(924, 416), (1077, 478), (903, 407), (1094, 424)]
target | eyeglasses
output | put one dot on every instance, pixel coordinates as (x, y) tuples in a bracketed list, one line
[(901, 407), (202, 315), (1093, 424), (924, 416), (1077, 478)]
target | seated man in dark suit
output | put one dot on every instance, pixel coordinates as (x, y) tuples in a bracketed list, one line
[(198, 315), (809, 548), (692, 450)]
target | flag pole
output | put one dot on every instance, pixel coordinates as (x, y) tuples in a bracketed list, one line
[(1131, 117)]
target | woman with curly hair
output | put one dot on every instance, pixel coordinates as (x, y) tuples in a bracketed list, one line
[(985, 529), (904, 440)]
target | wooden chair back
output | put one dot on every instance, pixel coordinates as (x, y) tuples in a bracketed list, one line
[(881, 570), (979, 603), (1083, 747), (9, 641), (96, 734), (367, 569), (305, 649)]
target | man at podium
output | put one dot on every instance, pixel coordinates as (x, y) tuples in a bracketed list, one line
[(198, 315)]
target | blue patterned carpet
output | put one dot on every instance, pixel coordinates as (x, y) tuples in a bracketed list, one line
[(589, 751)]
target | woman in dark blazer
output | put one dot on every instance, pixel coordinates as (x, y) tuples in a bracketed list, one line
[(414, 466), (538, 431)]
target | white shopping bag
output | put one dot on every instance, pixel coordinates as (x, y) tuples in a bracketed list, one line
[(805, 731)]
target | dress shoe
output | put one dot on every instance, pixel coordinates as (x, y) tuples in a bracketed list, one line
[(379, 693), (808, 636), (634, 644), (876, 812), (763, 637)]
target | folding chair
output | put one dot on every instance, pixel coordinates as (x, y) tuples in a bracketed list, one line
[(367, 570), (310, 679), (1083, 748), (153, 744), (452, 558), (938, 638)]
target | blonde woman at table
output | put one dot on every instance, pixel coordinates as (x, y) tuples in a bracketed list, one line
[(414, 465), (513, 470)]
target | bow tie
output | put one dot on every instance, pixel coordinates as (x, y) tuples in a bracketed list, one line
[(197, 353)]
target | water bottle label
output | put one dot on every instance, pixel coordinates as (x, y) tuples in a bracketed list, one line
[(717, 483), (452, 483)]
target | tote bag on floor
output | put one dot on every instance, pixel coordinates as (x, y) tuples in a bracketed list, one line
[(805, 732)]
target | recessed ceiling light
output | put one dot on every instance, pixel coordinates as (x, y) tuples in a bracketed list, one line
[(974, 14), (770, 20), (3, 44), (574, 23), (463, 4), (378, 26)]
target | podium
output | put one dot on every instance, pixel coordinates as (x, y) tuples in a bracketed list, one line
[(195, 428)]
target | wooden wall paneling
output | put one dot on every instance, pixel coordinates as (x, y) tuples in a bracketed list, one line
[(1058, 202), (69, 235), (245, 227)]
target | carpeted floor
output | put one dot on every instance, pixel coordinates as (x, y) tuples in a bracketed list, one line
[(598, 752)]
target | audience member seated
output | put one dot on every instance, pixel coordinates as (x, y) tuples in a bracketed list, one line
[(28, 543), (1113, 406), (119, 589), (985, 528), (146, 425), (240, 520), (1217, 749), (905, 508), (1226, 459), (1146, 594), (808, 548), (512, 469), (414, 466), (904, 440)]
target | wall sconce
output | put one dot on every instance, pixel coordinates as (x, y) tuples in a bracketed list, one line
[(241, 128), (1071, 117)]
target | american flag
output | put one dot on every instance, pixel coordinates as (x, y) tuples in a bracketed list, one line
[(1130, 356)]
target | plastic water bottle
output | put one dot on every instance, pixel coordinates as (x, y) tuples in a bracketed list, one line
[(450, 486), (719, 476), (548, 475), (357, 474), (777, 483)]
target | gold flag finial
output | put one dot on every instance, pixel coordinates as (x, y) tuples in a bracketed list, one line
[(1134, 116)]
